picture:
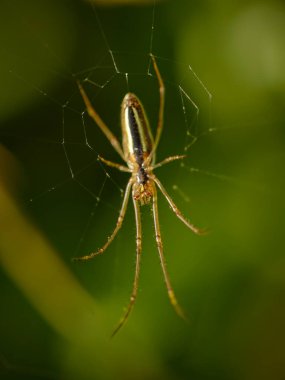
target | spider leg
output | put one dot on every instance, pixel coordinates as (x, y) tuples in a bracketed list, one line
[(122, 168), (94, 115), (167, 160), (177, 211), (118, 226), (170, 291), (137, 271), (161, 106)]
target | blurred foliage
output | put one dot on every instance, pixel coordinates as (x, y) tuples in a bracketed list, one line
[(56, 316)]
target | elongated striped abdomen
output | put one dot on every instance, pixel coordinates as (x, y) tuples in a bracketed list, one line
[(137, 137)]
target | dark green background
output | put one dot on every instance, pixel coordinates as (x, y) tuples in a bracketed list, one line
[(230, 282)]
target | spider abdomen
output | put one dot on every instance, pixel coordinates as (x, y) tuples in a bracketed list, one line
[(137, 136)]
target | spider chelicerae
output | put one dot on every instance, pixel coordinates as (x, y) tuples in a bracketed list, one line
[(138, 152)]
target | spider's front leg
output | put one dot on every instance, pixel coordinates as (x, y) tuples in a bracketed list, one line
[(178, 213), (137, 270), (170, 290), (118, 226)]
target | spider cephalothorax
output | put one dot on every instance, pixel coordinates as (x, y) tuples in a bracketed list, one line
[(138, 152), (143, 192)]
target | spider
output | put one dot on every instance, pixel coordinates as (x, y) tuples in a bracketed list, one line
[(138, 152)]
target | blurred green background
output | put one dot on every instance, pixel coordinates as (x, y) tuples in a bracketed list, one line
[(56, 316)]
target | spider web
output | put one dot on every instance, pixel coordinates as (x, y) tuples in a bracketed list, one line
[(66, 143), (67, 187)]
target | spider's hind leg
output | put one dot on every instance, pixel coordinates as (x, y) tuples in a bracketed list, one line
[(112, 164)]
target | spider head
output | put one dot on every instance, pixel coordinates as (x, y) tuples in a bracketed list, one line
[(143, 192)]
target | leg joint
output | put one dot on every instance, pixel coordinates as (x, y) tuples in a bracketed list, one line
[(139, 243), (120, 219), (177, 212), (172, 297), (158, 237)]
